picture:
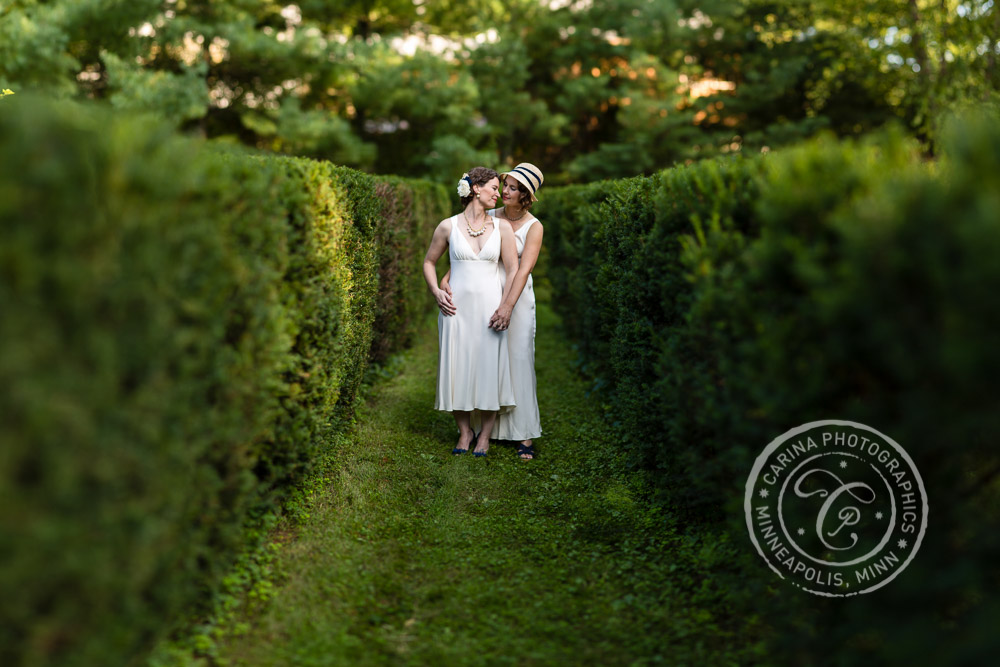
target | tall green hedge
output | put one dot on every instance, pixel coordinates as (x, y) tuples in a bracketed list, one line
[(722, 303), (181, 329)]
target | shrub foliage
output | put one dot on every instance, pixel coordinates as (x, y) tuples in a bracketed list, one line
[(720, 304), (182, 329)]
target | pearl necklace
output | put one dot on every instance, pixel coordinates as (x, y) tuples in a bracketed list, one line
[(507, 215), (468, 225)]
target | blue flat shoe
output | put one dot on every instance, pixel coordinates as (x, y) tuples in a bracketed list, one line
[(478, 454), (527, 449), (458, 451)]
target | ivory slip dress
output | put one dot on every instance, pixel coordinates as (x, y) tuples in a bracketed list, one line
[(522, 422), (473, 362)]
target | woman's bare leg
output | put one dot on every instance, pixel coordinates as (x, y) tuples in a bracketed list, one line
[(483, 444), (464, 430)]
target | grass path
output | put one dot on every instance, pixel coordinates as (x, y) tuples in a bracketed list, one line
[(413, 556)]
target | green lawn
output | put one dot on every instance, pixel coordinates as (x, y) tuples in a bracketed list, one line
[(409, 555)]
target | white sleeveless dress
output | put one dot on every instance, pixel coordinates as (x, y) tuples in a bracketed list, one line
[(522, 422), (473, 362)]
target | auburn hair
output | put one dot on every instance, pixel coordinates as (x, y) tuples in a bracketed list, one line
[(479, 176)]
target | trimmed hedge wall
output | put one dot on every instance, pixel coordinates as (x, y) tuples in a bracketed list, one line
[(720, 304), (181, 330)]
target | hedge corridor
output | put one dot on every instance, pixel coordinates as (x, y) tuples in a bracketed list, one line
[(182, 328), (718, 305)]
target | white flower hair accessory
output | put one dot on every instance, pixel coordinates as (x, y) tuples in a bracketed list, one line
[(464, 187)]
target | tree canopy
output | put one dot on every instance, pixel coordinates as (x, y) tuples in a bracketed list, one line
[(586, 89)]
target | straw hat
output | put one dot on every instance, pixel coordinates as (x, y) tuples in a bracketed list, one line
[(527, 175)]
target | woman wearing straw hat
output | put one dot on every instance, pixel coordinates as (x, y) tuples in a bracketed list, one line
[(473, 366), (516, 312)]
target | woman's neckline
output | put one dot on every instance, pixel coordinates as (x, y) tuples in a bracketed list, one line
[(524, 220)]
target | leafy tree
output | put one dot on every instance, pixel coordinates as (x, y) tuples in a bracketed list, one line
[(429, 124), (850, 66), (584, 89)]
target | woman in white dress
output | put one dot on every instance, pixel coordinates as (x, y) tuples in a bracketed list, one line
[(473, 364), (522, 423)]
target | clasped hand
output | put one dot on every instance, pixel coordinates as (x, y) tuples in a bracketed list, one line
[(501, 318)]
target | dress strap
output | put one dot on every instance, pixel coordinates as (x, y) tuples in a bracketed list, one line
[(496, 233)]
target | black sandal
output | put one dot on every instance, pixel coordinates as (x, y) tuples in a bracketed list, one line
[(526, 449)]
